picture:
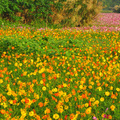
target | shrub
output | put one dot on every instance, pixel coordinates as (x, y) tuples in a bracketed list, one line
[(27, 10), (76, 12), (57, 12), (116, 9)]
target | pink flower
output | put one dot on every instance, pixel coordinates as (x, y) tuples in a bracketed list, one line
[(94, 118), (106, 110)]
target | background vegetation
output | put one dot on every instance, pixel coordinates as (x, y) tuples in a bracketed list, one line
[(54, 13), (110, 3)]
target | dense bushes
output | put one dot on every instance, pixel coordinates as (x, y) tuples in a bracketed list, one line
[(63, 12), (76, 12), (26, 10)]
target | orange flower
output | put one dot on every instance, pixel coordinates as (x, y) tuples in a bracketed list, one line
[(88, 110), (85, 57), (59, 86), (45, 116), (47, 111), (75, 86), (34, 81), (56, 94), (54, 99), (78, 91), (44, 80), (13, 118), (110, 117), (38, 117), (73, 91), (13, 48), (98, 84), (34, 100), (31, 53), (14, 101), (2, 111), (83, 115), (6, 78), (43, 75), (34, 111), (60, 119), (1, 75), (83, 96), (79, 106), (75, 99), (113, 96), (106, 85), (40, 104), (71, 73), (72, 116), (26, 101)]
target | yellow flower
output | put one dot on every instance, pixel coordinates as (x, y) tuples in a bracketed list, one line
[(64, 94), (66, 107), (54, 90), (60, 110), (4, 105), (102, 99), (55, 116), (92, 99), (82, 73), (101, 74), (112, 107), (43, 88), (86, 104), (111, 87), (118, 89), (16, 64), (11, 101), (64, 85), (23, 112), (102, 115), (20, 64), (9, 93), (92, 83), (42, 70), (107, 93), (75, 117), (99, 88), (81, 86), (1, 81), (97, 102), (41, 82), (31, 113)]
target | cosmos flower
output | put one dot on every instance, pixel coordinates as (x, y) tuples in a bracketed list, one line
[(56, 116), (112, 107)]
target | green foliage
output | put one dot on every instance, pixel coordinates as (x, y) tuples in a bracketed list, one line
[(56, 12), (27, 10), (109, 5)]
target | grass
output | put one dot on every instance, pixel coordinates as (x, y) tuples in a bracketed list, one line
[(59, 74)]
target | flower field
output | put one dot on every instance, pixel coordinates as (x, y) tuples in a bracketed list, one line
[(59, 74), (104, 22)]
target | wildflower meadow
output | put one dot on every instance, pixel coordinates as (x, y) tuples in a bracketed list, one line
[(61, 74)]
